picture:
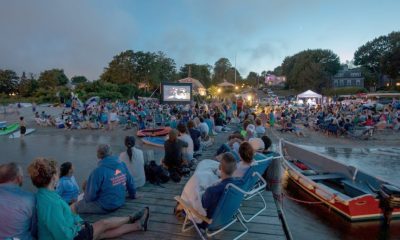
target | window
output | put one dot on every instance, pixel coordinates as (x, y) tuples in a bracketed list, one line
[(335, 83), (358, 82)]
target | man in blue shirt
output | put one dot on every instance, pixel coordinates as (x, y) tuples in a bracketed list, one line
[(213, 194), (17, 207), (107, 185)]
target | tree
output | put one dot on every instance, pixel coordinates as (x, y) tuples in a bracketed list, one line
[(27, 86), (139, 67), (310, 69), (200, 72), (380, 56), (230, 75), (221, 67), (8, 81), (78, 79), (213, 91), (52, 78), (252, 78)]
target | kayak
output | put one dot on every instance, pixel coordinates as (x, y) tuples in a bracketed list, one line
[(154, 132), (9, 129), (154, 141), (18, 133)]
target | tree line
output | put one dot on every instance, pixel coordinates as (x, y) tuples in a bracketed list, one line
[(314, 68), (131, 73)]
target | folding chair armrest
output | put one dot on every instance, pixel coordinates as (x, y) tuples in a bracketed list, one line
[(193, 211)]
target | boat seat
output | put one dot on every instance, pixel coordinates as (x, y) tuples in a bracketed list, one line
[(326, 176), (337, 193), (361, 188)]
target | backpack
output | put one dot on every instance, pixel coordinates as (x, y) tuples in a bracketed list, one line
[(175, 175), (156, 174)]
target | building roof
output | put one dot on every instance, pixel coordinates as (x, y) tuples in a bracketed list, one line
[(226, 84), (195, 83)]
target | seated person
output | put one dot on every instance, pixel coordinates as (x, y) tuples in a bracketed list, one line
[(173, 151), (207, 174), (107, 185), (57, 221), (134, 160), (195, 135), (17, 207), (212, 195), (67, 187), (187, 152), (229, 146), (260, 129)]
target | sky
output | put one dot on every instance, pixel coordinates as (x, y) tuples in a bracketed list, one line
[(82, 36)]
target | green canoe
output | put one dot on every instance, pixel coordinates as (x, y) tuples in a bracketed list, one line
[(9, 129)]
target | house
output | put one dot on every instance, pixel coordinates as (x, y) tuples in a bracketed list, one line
[(198, 87), (348, 78), (272, 80)]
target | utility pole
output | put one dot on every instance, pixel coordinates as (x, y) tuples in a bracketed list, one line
[(235, 70)]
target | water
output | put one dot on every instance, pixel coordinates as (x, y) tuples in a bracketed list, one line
[(320, 223), (315, 222)]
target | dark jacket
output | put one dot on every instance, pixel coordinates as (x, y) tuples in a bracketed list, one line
[(173, 153)]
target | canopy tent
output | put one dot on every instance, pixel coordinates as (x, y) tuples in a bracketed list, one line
[(226, 84), (312, 97), (309, 94), (196, 84)]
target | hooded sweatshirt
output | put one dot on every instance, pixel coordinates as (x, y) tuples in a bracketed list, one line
[(107, 184)]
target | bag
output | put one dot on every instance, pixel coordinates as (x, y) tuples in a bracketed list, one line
[(175, 175), (156, 174)]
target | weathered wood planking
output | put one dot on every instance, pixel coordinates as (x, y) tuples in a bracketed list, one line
[(164, 225)]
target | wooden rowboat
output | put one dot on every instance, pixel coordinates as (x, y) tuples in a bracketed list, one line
[(153, 132), (356, 195)]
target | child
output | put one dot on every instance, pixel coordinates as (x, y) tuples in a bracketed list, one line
[(22, 127), (67, 187)]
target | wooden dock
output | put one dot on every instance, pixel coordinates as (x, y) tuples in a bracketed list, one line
[(164, 225)]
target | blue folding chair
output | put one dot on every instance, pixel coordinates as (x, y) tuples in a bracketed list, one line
[(254, 184), (226, 214)]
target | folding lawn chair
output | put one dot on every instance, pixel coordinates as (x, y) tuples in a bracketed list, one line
[(226, 214)]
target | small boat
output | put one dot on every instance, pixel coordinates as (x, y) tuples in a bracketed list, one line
[(153, 132), (356, 195), (18, 134), (154, 141), (9, 129), (3, 124)]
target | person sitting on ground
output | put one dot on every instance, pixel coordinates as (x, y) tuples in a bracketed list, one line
[(232, 146), (107, 185), (57, 221), (67, 187), (260, 129), (173, 151), (17, 207), (195, 135), (134, 160), (187, 152)]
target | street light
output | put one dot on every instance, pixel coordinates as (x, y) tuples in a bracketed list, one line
[(236, 87), (219, 90)]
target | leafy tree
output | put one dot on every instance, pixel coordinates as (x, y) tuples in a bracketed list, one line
[(380, 56), (52, 78), (200, 72), (310, 69), (252, 78), (78, 79), (27, 86), (221, 68), (135, 67), (8, 81), (230, 75), (213, 91)]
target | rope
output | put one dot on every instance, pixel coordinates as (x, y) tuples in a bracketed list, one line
[(283, 195)]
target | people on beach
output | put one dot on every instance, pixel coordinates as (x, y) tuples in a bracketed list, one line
[(134, 160), (57, 221), (187, 152), (17, 207), (173, 148), (107, 185), (67, 187)]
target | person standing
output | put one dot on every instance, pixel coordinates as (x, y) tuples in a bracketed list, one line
[(22, 127), (17, 207)]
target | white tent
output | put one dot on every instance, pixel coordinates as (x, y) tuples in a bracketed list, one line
[(309, 94), (312, 97)]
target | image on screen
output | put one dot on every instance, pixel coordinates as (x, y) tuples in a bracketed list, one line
[(176, 93)]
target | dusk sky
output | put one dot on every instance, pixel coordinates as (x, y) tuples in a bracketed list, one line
[(81, 37)]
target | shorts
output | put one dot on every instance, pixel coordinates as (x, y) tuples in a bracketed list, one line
[(22, 130), (86, 232), (89, 207)]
